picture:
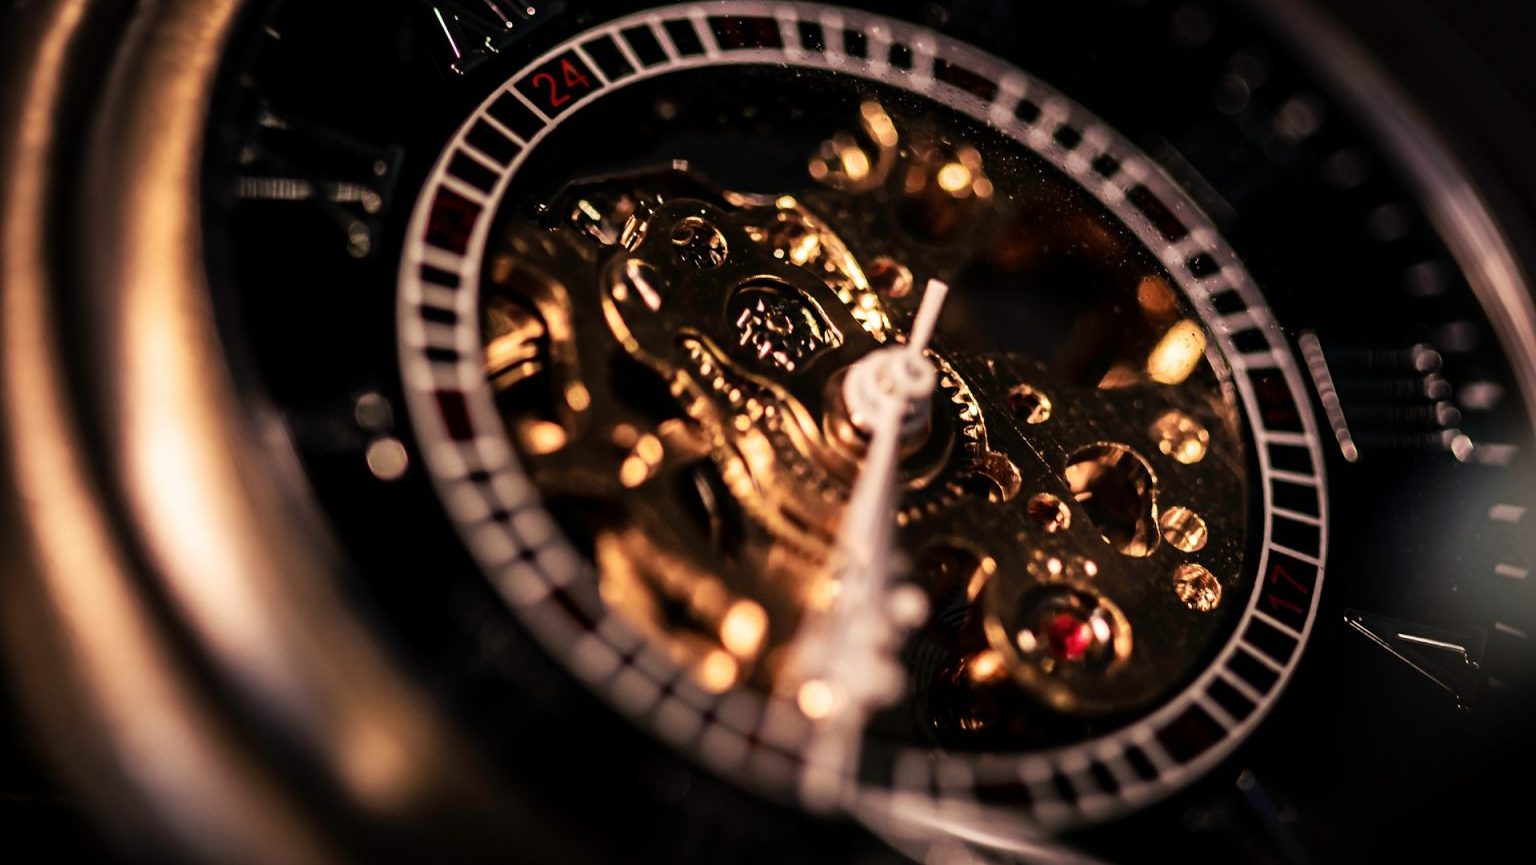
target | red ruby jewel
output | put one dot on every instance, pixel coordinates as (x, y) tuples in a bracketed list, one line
[(1070, 636)]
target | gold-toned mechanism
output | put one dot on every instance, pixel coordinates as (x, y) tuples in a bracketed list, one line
[(669, 358)]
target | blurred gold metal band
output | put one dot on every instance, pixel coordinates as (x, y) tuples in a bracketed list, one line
[(231, 553), (121, 715)]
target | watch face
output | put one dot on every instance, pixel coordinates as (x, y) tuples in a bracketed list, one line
[(628, 354), (935, 417)]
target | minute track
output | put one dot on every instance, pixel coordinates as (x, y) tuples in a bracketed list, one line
[(1419, 528), (1180, 740)]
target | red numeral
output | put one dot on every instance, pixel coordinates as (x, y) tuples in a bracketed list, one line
[(1279, 574), (574, 76), (546, 81), (1280, 603), (1282, 580), (557, 92)]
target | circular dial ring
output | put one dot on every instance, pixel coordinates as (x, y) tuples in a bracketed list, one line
[(539, 573)]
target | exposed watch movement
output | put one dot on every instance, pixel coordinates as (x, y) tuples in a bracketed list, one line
[(763, 431)]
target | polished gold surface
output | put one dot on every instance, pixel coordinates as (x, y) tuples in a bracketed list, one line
[(1197, 587), (709, 461), (130, 727), (1183, 528), (137, 575), (1180, 436)]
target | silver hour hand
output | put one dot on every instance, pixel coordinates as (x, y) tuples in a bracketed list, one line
[(844, 663)]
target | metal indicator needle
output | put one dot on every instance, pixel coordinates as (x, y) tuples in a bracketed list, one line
[(844, 658)]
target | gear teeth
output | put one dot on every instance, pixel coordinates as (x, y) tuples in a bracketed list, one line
[(752, 405)]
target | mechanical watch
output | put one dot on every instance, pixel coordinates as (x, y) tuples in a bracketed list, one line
[(766, 431)]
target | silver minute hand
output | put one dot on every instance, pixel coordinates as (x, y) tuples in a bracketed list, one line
[(844, 662)]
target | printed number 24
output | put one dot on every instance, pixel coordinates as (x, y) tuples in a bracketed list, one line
[(559, 93)]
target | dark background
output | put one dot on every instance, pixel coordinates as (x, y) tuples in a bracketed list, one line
[(1469, 64), (1471, 67)]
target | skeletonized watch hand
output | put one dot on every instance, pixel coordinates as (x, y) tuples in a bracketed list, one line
[(844, 662), (432, 429)]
